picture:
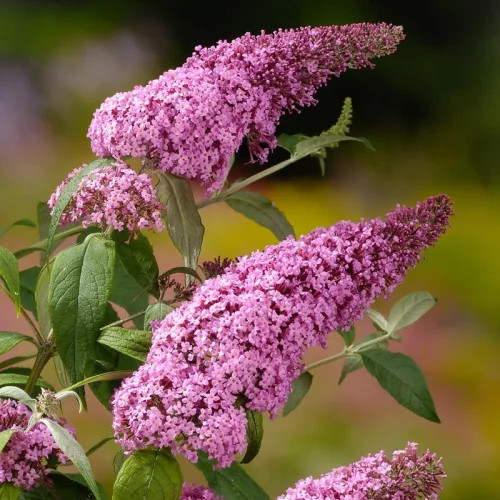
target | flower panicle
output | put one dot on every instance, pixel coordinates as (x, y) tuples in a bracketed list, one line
[(192, 119), (243, 334)]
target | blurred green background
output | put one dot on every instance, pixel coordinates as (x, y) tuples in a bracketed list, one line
[(432, 111)]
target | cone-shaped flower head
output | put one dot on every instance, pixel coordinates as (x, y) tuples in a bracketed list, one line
[(406, 476), (115, 196), (243, 334), (23, 461), (191, 119)]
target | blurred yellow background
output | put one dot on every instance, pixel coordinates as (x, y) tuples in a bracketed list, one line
[(432, 111)]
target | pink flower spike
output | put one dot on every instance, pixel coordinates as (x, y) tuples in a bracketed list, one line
[(243, 334), (406, 476), (190, 120)]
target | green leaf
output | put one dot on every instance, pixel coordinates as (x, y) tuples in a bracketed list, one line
[(151, 474), (15, 360), (136, 255), (181, 270), (28, 278), (314, 144), (289, 142), (9, 492), (115, 375), (126, 293), (21, 222), (183, 220), (400, 376), (99, 445), (379, 322), (300, 387), (133, 343), (42, 300), (348, 335), (5, 436), (73, 450), (255, 433), (80, 285), (409, 309), (352, 363), (64, 486), (8, 340), (9, 273), (261, 210), (156, 311), (381, 344), (11, 378), (66, 195), (233, 483)]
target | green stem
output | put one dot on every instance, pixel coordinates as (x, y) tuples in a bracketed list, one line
[(42, 245), (250, 180), (45, 353), (124, 320), (348, 351)]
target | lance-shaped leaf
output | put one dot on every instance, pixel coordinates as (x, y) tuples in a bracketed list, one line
[(18, 394), (66, 195), (148, 474), (255, 433), (183, 220), (348, 335), (137, 257), (28, 279), (379, 322), (80, 285), (400, 376), (13, 378), (74, 451), (21, 222), (9, 273), (42, 300), (233, 483), (261, 210), (300, 387), (409, 309), (133, 343), (8, 340)]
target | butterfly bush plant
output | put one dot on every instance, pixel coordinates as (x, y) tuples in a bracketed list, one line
[(187, 360)]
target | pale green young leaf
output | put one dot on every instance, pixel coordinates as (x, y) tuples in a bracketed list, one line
[(74, 451), (409, 309), (379, 322), (12, 392)]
